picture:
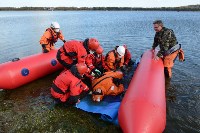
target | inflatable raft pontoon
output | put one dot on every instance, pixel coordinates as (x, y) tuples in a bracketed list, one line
[(143, 108), (19, 72)]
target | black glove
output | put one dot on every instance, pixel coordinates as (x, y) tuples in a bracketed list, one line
[(123, 68), (64, 41), (95, 72), (72, 100), (117, 81), (44, 46), (45, 50)]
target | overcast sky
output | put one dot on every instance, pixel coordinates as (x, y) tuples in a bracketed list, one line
[(97, 3)]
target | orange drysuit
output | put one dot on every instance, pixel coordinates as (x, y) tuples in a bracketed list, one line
[(127, 56), (67, 87), (50, 37), (169, 61), (107, 86), (72, 52), (94, 61), (112, 61)]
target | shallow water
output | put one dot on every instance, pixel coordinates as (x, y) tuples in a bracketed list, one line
[(30, 107)]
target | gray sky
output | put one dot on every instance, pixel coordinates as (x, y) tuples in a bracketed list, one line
[(97, 3)]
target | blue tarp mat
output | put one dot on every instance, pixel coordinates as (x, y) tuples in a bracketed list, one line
[(108, 107)]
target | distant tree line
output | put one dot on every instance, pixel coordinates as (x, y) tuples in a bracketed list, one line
[(183, 8)]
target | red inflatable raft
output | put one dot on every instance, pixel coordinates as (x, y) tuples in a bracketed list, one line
[(143, 108), (16, 73)]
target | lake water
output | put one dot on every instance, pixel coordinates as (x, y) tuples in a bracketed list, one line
[(21, 32)]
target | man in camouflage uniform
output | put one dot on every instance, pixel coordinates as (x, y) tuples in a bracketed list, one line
[(166, 39)]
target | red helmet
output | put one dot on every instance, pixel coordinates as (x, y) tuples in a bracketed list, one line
[(93, 44), (99, 50), (81, 68)]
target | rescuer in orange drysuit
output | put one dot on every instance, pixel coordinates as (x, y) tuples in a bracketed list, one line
[(94, 62), (127, 55), (127, 58), (114, 59), (50, 37), (68, 87), (74, 51), (108, 84)]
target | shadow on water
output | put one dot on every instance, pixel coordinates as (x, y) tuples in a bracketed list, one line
[(30, 108)]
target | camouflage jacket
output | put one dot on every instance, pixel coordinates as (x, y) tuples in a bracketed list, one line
[(166, 39)]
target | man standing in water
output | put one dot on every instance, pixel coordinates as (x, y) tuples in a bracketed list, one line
[(169, 47)]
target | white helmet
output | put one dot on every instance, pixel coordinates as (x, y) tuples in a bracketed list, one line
[(121, 51), (55, 26)]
